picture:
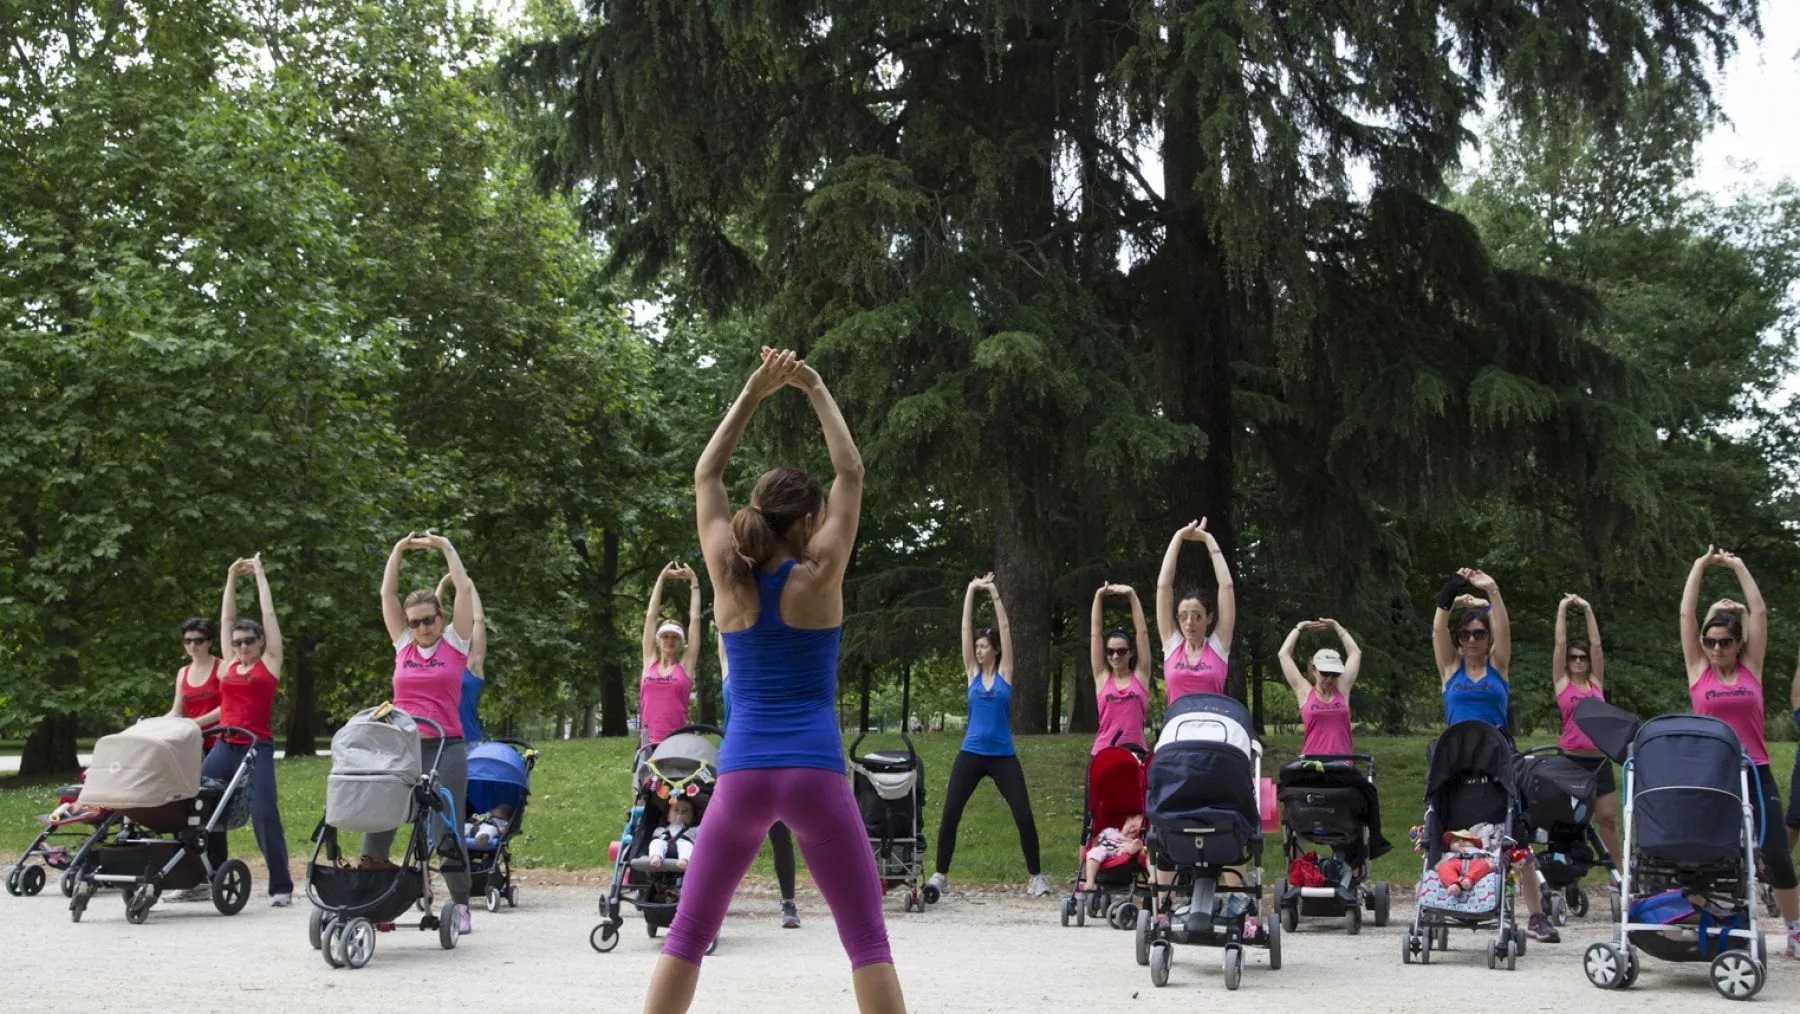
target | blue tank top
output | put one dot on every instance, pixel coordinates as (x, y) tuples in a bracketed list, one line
[(783, 690), (1467, 700), (472, 685), (990, 719)]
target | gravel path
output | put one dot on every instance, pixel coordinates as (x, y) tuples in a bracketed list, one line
[(995, 952)]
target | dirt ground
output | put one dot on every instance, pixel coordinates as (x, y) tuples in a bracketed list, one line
[(970, 952)]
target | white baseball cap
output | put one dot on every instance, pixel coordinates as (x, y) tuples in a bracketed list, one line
[(1328, 660), (671, 627)]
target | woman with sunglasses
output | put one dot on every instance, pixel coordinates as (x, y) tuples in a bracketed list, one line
[(1323, 693), (1724, 658), (197, 683), (430, 657), (777, 567), (669, 657), (247, 701), (1472, 672), (1578, 672), (1120, 690), (1195, 628)]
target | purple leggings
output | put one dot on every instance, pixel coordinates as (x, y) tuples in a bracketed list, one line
[(821, 810)]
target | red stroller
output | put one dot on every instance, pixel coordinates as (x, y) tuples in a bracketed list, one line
[(1115, 792)]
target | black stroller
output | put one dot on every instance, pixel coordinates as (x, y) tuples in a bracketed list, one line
[(1688, 875), (683, 766), (890, 793), (1204, 814), (163, 814), (499, 787), (1469, 782), (64, 840), (378, 783), (1556, 804), (1330, 801)]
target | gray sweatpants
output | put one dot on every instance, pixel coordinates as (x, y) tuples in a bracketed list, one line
[(453, 774)]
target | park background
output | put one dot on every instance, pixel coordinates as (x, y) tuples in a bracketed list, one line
[(298, 278)]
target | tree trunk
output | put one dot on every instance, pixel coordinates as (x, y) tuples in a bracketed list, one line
[(1021, 568), (862, 712), (1256, 693), (590, 721), (1056, 687), (50, 748), (614, 716), (303, 698)]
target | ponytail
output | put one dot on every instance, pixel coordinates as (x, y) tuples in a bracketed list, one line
[(755, 541), (783, 497)]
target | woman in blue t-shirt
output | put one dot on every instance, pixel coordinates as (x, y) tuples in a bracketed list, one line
[(987, 748)]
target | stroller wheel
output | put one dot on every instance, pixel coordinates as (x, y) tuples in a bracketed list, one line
[(650, 928), (315, 928), (13, 887), (356, 942), (1578, 901), (333, 944), (78, 902), (493, 899), (1443, 938), (449, 928), (138, 903), (1141, 937), (32, 880), (1425, 951), (231, 887), (604, 937), (1612, 906), (1162, 956), (1353, 920), (1493, 954), (1068, 909), (1081, 914), (916, 901), (1381, 904), (931, 894), (1233, 962), (1558, 909), (1407, 944), (512, 896), (1736, 975), (1512, 955), (68, 883), (1122, 916), (1631, 968), (1272, 934)]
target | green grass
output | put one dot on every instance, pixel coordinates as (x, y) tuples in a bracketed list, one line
[(581, 789)]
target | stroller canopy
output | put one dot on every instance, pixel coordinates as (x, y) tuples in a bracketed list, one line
[(498, 775), (1611, 728), (154, 762), (1470, 778), (1207, 717), (1686, 789), (1115, 786)]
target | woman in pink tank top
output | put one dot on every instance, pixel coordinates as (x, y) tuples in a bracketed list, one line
[(1323, 693), (1119, 685), (669, 656), (1577, 673), (1196, 633), (1724, 657)]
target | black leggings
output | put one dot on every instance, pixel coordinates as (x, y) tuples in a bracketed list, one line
[(782, 841), (966, 772), (1778, 865)]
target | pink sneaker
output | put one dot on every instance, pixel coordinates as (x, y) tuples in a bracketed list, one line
[(464, 926)]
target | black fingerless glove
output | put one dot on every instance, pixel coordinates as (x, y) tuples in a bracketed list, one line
[(1454, 585)]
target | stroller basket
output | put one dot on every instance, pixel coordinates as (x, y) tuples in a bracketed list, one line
[(367, 892)]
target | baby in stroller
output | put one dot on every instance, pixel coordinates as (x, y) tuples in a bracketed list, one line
[(1115, 847), (488, 828), (1468, 858), (676, 836)]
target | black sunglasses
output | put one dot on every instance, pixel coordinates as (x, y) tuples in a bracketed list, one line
[(1578, 658), (1718, 642), (1472, 634), (243, 642), (423, 621), (1113, 652), (195, 640)]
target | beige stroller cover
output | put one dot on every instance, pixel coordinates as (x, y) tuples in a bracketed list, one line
[(154, 762), (375, 762)]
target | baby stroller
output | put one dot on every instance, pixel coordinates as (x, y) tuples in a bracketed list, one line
[(1469, 780), (378, 783), (499, 776), (62, 844), (1688, 876), (1204, 809), (890, 792), (149, 776), (1330, 801), (685, 765), (1556, 797), (1115, 791)]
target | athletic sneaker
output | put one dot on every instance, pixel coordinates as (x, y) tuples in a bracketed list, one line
[(1540, 928), (463, 925), (1793, 948), (1038, 886), (281, 900), (937, 883), (790, 916)]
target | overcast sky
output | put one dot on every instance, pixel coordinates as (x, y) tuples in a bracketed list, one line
[(1760, 91)]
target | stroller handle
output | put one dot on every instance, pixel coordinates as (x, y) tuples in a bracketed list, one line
[(1359, 758), (422, 720), (708, 730), (1553, 750), (904, 738), (230, 730)]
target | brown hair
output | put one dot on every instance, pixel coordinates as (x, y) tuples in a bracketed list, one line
[(423, 598), (783, 497)]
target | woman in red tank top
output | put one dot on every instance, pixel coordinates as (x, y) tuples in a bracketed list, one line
[(197, 683), (247, 701)]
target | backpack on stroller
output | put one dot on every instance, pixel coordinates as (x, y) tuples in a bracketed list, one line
[(890, 793)]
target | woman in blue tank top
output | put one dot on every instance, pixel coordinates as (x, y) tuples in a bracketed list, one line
[(474, 679), (987, 748), (1472, 667), (777, 569)]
